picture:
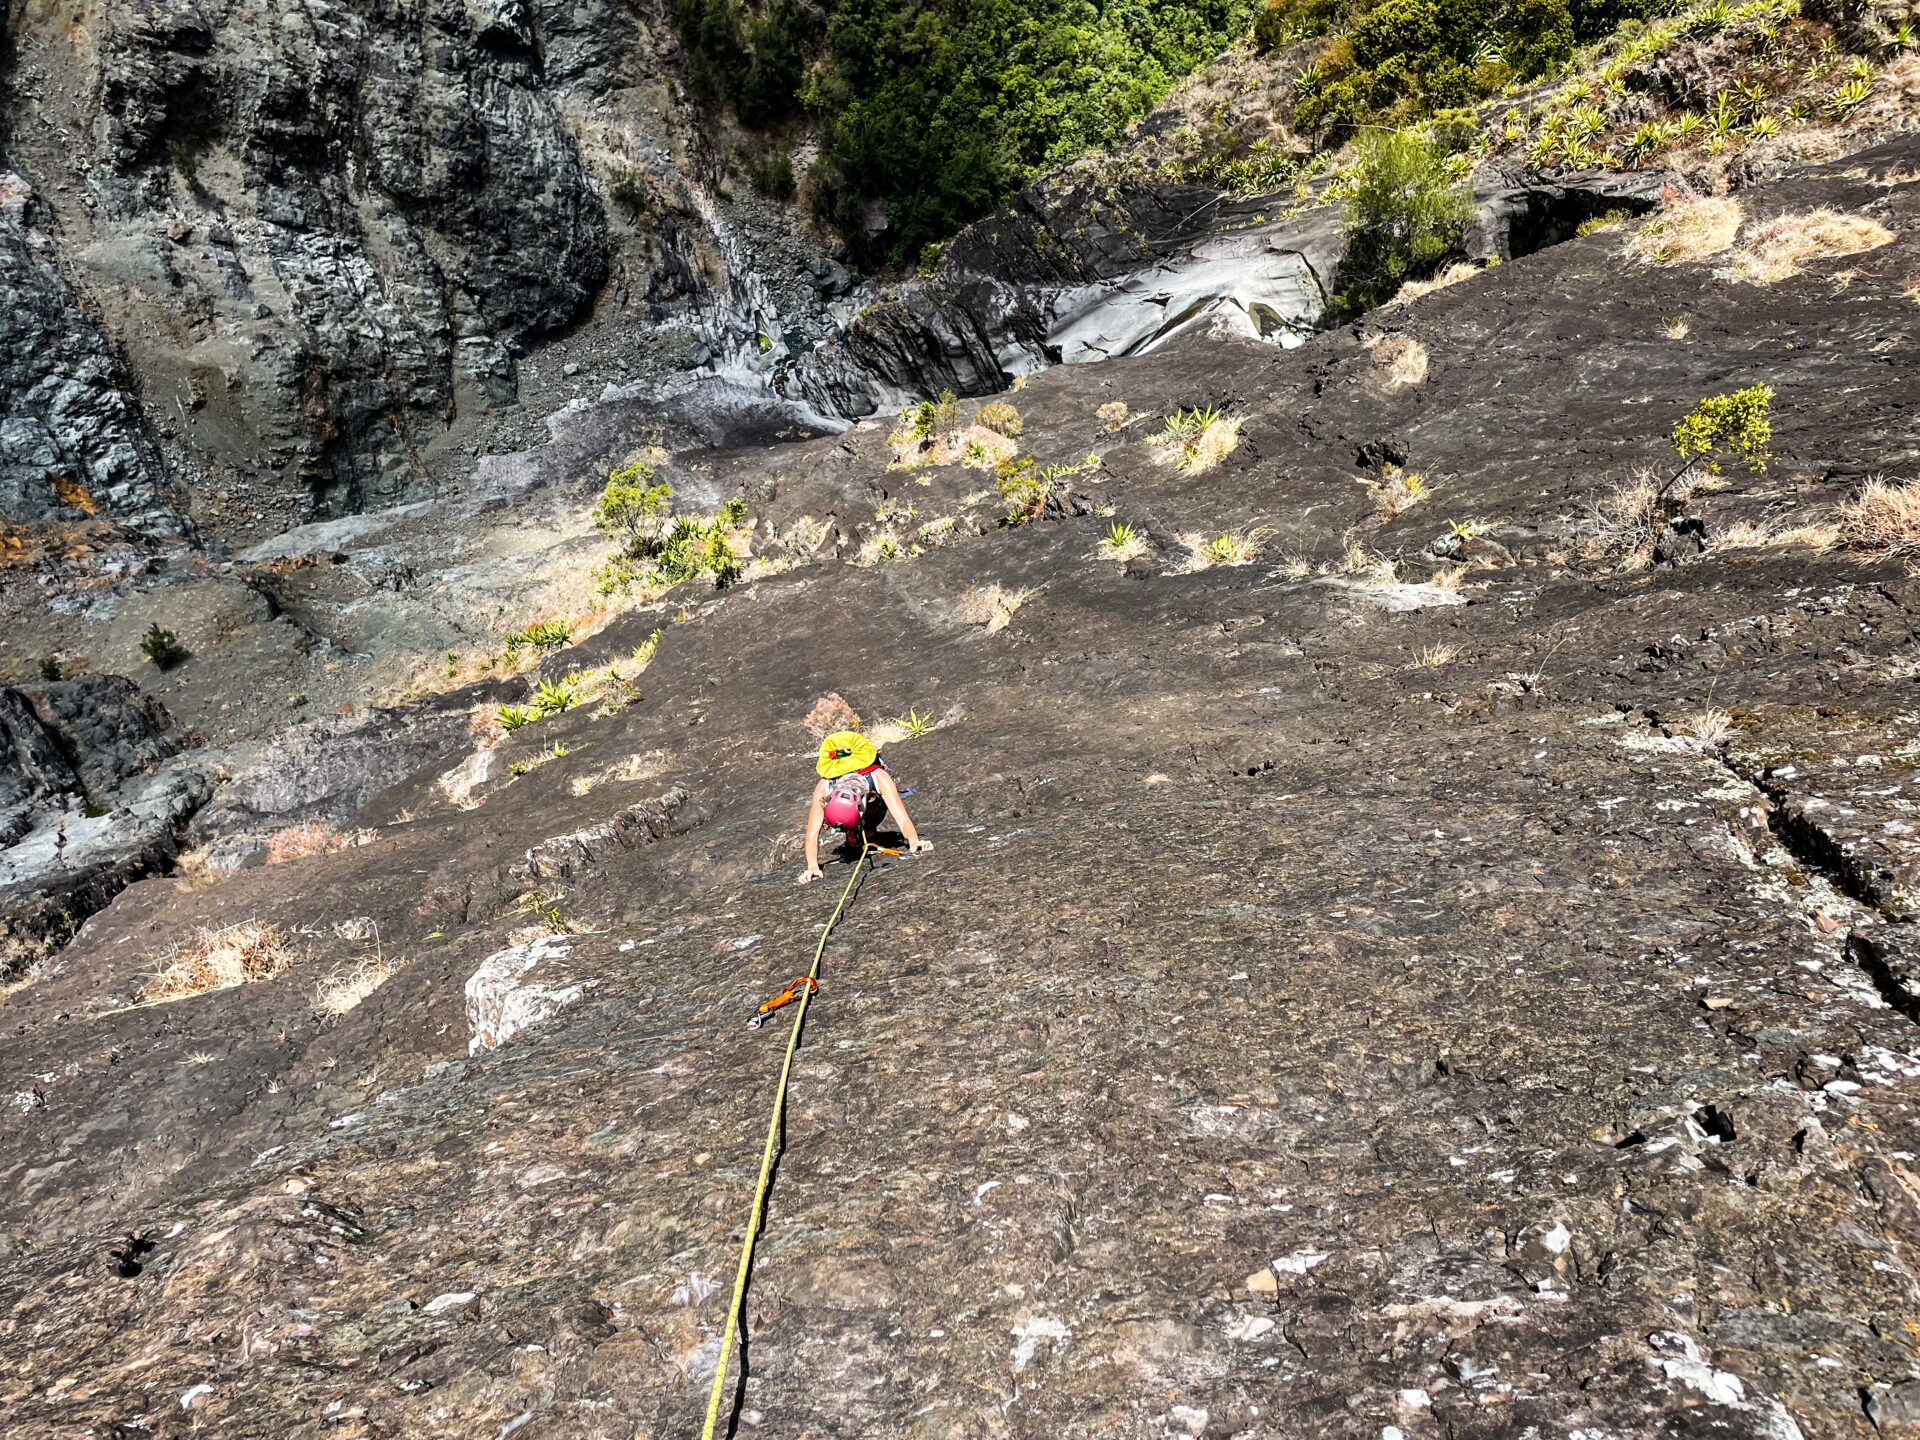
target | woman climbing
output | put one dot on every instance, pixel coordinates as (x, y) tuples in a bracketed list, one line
[(851, 774)]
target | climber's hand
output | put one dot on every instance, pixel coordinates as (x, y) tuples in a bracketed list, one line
[(812, 872), (919, 845)]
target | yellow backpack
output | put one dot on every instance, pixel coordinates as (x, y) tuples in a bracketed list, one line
[(843, 752)]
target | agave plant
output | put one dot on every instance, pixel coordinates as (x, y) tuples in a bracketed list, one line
[(1849, 97), (552, 697), (512, 717)]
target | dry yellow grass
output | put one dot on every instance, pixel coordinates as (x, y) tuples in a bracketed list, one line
[(1000, 417), (1112, 415), (1687, 229), (1122, 543), (1403, 358), (1452, 275), (1448, 579), (1884, 517), (1432, 657), (1359, 563), (1677, 328), (1198, 440), (1231, 547), (1397, 492), (345, 988), (1711, 727), (992, 605), (1781, 248), (1766, 534), (1626, 523), (218, 960)]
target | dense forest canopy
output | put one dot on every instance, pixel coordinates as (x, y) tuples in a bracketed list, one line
[(943, 108)]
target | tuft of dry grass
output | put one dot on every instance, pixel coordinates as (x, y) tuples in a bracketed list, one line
[(1452, 275), (1883, 518), (1403, 358), (1000, 417), (1397, 491), (1686, 229), (1198, 440), (1231, 547), (1626, 523), (219, 960), (1122, 543), (992, 605), (1112, 415), (1767, 534), (1432, 657), (1781, 248), (345, 988), (1676, 328), (1359, 563), (1712, 727), (1449, 578)]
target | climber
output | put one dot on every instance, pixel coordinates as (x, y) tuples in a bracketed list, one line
[(851, 774)]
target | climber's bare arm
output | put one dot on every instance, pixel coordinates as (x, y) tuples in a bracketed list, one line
[(896, 807), (815, 815)]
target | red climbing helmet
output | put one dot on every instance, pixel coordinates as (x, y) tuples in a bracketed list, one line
[(842, 810)]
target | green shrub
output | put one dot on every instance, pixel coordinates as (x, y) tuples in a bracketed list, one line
[(554, 697), (1282, 22), (1404, 59), (1001, 418), (541, 635), (162, 647), (512, 717), (657, 548), (1025, 487), (1404, 215), (631, 509), (1738, 421), (628, 190)]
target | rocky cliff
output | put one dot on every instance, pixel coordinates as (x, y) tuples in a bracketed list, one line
[(1397, 959)]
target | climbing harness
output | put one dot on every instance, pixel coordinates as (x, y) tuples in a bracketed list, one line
[(802, 985), (806, 992)]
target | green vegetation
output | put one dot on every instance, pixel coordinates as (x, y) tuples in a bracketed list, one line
[(657, 549), (541, 635), (1400, 60), (555, 697), (913, 723), (1404, 214), (1025, 486), (1001, 418), (1738, 421), (162, 647), (943, 108)]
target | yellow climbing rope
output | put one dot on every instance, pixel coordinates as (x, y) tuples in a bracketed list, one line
[(773, 1137)]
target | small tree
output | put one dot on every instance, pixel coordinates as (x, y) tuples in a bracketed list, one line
[(1724, 423), (656, 547), (631, 508), (162, 647), (1404, 215)]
